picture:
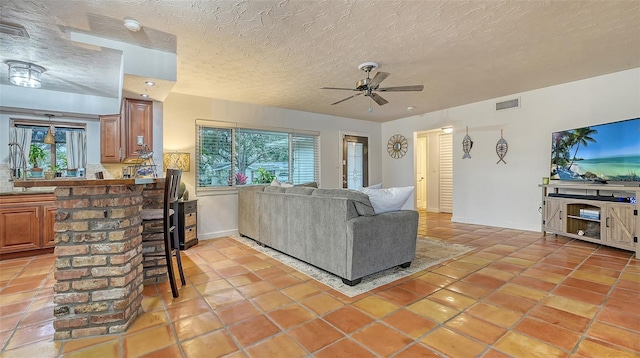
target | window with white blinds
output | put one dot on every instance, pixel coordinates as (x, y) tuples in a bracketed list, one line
[(306, 162), (228, 155)]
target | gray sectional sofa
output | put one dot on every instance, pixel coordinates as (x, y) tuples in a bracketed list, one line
[(333, 229)]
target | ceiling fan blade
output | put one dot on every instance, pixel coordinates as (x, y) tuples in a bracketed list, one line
[(379, 77), (379, 100), (342, 100), (401, 88), (339, 88)]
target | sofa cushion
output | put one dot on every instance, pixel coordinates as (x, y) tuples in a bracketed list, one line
[(274, 189), (301, 190), (310, 184), (361, 200), (390, 199), (252, 187)]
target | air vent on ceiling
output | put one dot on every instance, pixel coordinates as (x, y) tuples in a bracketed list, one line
[(13, 29), (512, 103)]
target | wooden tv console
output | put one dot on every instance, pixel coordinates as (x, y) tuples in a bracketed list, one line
[(600, 213)]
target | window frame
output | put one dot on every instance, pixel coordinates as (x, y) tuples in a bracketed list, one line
[(233, 126), (15, 122)]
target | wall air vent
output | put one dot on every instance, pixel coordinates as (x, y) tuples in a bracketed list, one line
[(512, 103), (13, 29)]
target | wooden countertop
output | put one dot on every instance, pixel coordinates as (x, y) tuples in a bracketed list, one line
[(21, 193), (67, 182)]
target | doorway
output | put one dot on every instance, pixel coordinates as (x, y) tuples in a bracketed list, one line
[(434, 171), (355, 162)]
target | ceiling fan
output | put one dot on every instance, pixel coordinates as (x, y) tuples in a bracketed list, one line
[(367, 86)]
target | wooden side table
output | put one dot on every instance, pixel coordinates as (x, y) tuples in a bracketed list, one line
[(188, 223)]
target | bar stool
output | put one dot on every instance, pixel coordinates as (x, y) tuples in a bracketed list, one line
[(169, 217)]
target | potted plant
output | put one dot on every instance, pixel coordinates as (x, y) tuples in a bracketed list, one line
[(263, 176), (50, 173), (36, 156)]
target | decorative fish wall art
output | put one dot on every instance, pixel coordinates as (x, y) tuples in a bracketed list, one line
[(501, 149), (467, 144)]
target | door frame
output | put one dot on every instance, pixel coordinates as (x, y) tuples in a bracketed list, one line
[(341, 153), (421, 184), (426, 132)]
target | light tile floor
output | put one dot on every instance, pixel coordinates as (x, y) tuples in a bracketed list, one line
[(520, 294)]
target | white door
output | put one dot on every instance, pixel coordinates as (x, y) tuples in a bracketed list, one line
[(355, 163), (421, 173)]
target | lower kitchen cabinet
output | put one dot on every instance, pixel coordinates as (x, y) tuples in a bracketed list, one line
[(26, 224)]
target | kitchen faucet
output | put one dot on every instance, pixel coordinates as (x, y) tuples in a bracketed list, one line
[(24, 162)]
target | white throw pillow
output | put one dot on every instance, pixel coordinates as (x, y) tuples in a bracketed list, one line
[(374, 186), (391, 199), (275, 182)]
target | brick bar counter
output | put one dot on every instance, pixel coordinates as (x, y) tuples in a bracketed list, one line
[(99, 253)]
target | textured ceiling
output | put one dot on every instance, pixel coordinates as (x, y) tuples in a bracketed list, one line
[(279, 53)]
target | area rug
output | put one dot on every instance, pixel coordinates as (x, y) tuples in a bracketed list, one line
[(429, 252)]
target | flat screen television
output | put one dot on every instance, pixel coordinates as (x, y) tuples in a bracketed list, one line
[(602, 153)]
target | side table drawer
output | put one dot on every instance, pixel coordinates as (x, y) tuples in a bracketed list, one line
[(190, 206), (190, 219), (189, 234)]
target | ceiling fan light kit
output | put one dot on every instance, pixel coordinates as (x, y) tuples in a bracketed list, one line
[(368, 86)]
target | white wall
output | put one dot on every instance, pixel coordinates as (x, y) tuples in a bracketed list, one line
[(218, 214), (502, 195)]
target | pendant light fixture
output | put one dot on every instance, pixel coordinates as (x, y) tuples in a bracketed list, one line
[(49, 138)]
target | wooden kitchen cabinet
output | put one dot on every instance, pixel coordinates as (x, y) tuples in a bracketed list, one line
[(119, 132), (26, 224), (138, 122), (111, 148)]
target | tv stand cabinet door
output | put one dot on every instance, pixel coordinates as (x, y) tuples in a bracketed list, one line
[(621, 224), (554, 209)]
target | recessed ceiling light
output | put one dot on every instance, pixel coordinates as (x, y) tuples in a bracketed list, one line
[(132, 25), (150, 83), (144, 95)]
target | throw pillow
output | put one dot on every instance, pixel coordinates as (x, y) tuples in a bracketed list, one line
[(275, 182), (274, 189), (300, 190), (391, 199), (374, 186), (361, 201)]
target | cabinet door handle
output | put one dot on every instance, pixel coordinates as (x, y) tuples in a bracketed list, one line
[(607, 222), (560, 214)]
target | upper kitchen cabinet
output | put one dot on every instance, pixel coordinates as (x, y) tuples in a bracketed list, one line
[(119, 133)]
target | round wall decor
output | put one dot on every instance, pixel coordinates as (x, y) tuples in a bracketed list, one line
[(397, 146)]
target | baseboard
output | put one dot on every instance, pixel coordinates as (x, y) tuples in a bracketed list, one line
[(217, 234), (497, 223)]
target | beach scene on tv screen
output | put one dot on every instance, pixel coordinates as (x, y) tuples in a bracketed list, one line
[(605, 152)]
